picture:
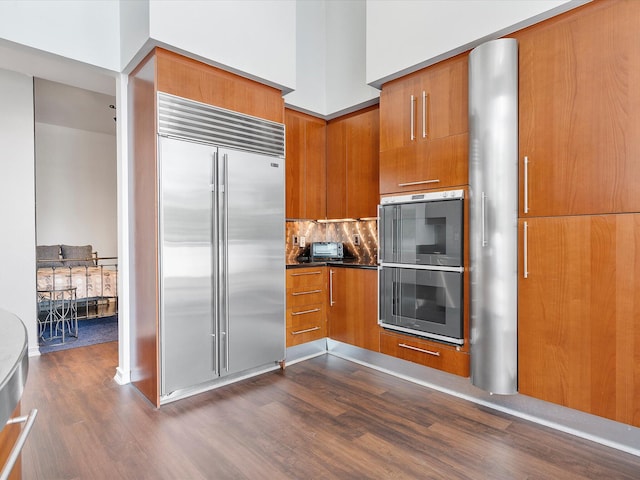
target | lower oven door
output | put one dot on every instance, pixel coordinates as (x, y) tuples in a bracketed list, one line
[(422, 302)]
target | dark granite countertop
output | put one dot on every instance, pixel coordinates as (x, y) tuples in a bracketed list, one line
[(347, 263)]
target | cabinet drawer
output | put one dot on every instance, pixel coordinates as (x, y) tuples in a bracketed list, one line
[(301, 279), (424, 352), (305, 296), (305, 324), (306, 316), (299, 336)]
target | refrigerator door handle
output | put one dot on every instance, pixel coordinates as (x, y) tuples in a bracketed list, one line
[(214, 262), (224, 212)]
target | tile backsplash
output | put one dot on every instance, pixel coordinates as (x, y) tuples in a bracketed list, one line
[(365, 253)]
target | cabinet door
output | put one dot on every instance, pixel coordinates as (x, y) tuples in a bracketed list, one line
[(305, 166), (295, 165), (397, 109), (579, 122), (352, 165), (353, 313), (337, 169), (578, 317), (362, 167), (440, 163), (447, 98), (315, 179)]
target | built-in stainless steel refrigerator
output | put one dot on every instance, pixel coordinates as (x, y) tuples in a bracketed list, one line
[(221, 251)]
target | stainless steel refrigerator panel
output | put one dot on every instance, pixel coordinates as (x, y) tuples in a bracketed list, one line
[(186, 264), (493, 193), (253, 334)]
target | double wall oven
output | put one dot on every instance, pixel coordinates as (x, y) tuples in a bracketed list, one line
[(421, 264)]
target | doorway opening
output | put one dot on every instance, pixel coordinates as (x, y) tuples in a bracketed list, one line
[(76, 216)]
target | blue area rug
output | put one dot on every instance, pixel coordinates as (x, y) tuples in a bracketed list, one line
[(90, 332)]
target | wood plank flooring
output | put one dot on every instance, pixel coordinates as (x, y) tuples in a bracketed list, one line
[(325, 418)]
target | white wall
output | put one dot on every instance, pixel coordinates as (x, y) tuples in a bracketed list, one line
[(87, 31), (17, 210), (252, 37), (346, 54), (405, 35), (134, 29), (76, 188), (330, 58), (311, 56)]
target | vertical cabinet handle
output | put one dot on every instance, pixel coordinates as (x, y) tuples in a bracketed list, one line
[(526, 184), (525, 251), (380, 237), (424, 114), (483, 197), (411, 116), (331, 302)]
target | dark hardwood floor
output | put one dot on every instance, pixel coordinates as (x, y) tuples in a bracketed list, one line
[(322, 418)]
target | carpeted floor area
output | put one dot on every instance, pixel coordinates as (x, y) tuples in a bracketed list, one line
[(90, 332)]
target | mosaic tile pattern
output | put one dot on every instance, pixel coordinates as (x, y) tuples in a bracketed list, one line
[(366, 253)]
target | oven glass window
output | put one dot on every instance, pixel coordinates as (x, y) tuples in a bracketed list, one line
[(431, 233), (426, 301), (422, 233)]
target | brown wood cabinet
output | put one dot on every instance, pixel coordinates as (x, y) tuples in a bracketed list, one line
[(578, 320), (578, 313), (353, 307), (352, 165), (306, 305), (8, 437), (579, 103), (431, 354), (305, 166), (424, 129)]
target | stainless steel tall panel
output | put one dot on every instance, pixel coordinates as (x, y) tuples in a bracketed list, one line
[(253, 259), (186, 264), (493, 193)]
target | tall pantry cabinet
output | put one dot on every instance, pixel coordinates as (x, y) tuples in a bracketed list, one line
[(165, 71), (579, 226)]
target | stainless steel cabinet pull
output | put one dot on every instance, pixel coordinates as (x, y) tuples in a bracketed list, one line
[(411, 347), (305, 273), (304, 312), (483, 214), (421, 182), (331, 302), (525, 251), (305, 331), (424, 114), (413, 136), (28, 420), (295, 294), (526, 184)]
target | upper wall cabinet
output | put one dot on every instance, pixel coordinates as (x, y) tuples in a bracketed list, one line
[(197, 81), (423, 129), (579, 104), (352, 165), (305, 165)]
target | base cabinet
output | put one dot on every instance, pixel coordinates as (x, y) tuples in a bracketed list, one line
[(579, 317), (8, 438), (431, 354), (306, 306), (353, 307)]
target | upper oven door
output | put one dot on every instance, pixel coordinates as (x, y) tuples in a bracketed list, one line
[(422, 233)]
